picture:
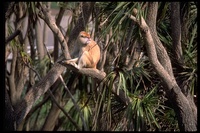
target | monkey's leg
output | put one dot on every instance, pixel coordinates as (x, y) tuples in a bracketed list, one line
[(71, 61), (86, 61)]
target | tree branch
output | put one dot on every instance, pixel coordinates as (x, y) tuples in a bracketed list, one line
[(54, 100), (99, 76), (176, 32), (16, 33), (161, 51), (36, 91), (44, 14), (94, 73), (151, 51)]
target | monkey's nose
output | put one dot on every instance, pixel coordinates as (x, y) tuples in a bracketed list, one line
[(88, 41)]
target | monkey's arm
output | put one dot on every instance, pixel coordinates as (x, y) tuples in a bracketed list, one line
[(74, 52)]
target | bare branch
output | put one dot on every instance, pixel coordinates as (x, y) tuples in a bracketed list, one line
[(152, 54), (54, 100), (40, 88), (52, 25), (56, 44), (176, 32), (16, 33), (161, 51), (36, 91)]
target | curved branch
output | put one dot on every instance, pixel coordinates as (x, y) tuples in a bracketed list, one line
[(54, 100), (36, 91), (151, 50), (44, 14), (161, 51)]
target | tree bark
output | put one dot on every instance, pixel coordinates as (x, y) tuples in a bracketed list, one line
[(39, 40), (161, 51), (9, 122), (22, 109), (176, 32), (46, 30), (177, 52), (9, 9), (52, 117), (33, 52), (12, 86)]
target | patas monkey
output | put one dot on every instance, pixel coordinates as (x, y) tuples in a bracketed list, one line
[(89, 52)]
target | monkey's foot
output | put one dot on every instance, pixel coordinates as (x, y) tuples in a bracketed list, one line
[(69, 62)]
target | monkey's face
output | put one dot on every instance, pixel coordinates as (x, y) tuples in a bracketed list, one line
[(84, 37)]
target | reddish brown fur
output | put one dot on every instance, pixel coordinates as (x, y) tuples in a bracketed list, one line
[(89, 54)]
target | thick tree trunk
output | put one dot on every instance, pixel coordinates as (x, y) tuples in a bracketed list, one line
[(176, 35), (187, 116), (179, 61)]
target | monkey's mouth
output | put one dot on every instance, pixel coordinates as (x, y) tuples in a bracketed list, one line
[(88, 41)]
